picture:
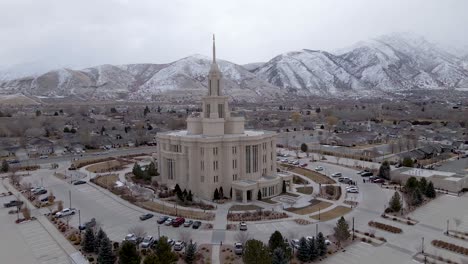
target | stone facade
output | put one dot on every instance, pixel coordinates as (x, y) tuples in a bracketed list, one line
[(215, 152)]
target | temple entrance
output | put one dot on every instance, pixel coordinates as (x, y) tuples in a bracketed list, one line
[(249, 195)]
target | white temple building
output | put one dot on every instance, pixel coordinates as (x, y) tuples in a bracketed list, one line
[(215, 152)]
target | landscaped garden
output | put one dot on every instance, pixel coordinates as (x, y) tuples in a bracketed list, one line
[(385, 227), (331, 214), (312, 175), (305, 190), (256, 216), (314, 206)]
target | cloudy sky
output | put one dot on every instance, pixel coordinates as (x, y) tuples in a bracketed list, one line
[(54, 33)]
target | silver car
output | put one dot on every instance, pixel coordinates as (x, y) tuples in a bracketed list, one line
[(147, 242), (238, 248), (179, 245)]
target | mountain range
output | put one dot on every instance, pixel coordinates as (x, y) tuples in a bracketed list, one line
[(400, 61)]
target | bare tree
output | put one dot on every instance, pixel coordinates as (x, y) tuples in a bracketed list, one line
[(59, 206), (457, 222), (139, 231), (15, 178), (242, 237), (67, 219)]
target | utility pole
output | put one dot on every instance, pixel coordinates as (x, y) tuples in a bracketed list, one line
[(448, 226), (319, 214), (316, 229), (69, 197), (353, 228), (422, 246)]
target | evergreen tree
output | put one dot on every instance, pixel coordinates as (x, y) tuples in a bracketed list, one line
[(5, 166), (276, 241), (416, 197), (411, 184), (341, 230), (190, 251), (284, 187), (430, 191), (105, 255), (221, 192), (190, 196), (313, 251), (303, 252), (103, 129), (279, 257), (164, 252), (230, 193), (216, 195), (137, 171), (128, 254), (255, 252), (395, 202), (321, 245), (151, 259), (146, 111), (407, 162), (100, 235), (305, 148), (423, 185), (89, 241), (38, 113), (384, 170), (177, 189), (66, 130), (152, 170), (318, 110), (259, 195)]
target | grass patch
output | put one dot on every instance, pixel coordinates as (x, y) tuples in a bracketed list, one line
[(106, 181), (170, 210), (333, 213), (314, 176), (311, 208), (105, 166), (305, 190), (244, 207), (268, 200)]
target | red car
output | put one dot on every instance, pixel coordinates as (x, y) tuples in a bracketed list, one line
[(378, 180), (178, 221)]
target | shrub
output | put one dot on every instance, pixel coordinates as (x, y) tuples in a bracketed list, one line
[(90, 259)]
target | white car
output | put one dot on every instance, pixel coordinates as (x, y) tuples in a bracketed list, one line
[(319, 168), (65, 212), (295, 243), (243, 226), (147, 242), (285, 160), (179, 245), (168, 222), (337, 174), (355, 190), (238, 248), (296, 163)]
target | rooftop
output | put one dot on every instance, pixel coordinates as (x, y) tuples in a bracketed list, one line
[(247, 133)]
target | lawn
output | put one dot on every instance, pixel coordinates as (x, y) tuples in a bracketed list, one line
[(314, 176), (244, 207), (311, 208), (107, 181), (171, 210), (305, 190), (268, 200), (333, 213), (105, 166)]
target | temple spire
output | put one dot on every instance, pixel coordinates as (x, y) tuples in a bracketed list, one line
[(214, 50)]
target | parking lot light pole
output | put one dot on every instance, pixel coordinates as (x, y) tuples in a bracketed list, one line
[(448, 226), (422, 246), (353, 228), (79, 220), (69, 197)]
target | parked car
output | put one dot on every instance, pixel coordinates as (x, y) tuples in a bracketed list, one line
[(319, 168), (363, 171), (296, 163), (196, 224), (39, 191), (171, 242), (178, 221), (13, 203), (295, 243), (131, 238), (91, 223), (238, 248), (367, 174), (243, 226), (146, 217), (43, 157), (303, 165), (327, 242), (353, 190), (79, 182), (285, 160), (168, 221), (179, 245), (46, 199), (337, 174), (188, 223), (65, 212), (378, 180), (162, 219), (344, 179), (147, 242)]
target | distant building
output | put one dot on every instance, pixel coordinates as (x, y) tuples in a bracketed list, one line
[(443, 180), (215, 152)]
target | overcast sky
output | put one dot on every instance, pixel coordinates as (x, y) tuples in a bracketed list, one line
[(84, 33)]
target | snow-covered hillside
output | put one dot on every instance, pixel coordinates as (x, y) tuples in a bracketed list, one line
[(385, 64)]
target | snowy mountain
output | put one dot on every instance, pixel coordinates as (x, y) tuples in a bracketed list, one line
[(182, 79), (385, 64), (391, 62)]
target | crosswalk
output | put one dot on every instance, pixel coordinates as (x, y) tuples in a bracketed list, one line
[(42, 245)]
